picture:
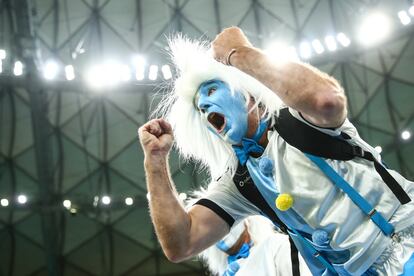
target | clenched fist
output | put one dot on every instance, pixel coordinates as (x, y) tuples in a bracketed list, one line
[(156, 138), (228, 39)]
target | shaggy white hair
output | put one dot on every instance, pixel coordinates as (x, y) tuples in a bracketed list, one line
[(194, 64)]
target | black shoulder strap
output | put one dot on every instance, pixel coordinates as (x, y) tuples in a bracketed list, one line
[(308, 139), (248, 189)]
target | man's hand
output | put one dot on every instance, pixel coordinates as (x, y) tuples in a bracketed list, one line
[(228, 39), (156, 138)]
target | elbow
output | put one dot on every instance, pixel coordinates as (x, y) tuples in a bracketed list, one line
[(176, 255), (332, 107)]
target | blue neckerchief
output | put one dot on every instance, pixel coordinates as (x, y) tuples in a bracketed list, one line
[(250, 145), (233, 266)]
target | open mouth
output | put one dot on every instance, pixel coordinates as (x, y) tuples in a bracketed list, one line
[(217, 120)]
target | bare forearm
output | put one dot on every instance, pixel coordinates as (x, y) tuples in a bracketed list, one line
[(171, 222), (300, 86)]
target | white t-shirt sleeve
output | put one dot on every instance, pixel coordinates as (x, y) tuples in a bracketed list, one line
[(225, 200)]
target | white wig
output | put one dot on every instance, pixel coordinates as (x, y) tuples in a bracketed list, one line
[(194, 65)]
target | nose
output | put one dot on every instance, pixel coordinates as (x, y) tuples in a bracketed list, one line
[(203, 107)]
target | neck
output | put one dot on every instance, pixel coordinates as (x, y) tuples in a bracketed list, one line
[(244, 238)]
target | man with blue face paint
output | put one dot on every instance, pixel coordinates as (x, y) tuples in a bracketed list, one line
[(249, 121)]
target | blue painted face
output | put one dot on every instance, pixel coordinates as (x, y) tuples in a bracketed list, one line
[(226, 113)]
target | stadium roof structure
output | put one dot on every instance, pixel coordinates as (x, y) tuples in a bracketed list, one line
[(62, 138)]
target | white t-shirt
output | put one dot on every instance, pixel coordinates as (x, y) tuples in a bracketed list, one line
[(270, 257), (320, 205)]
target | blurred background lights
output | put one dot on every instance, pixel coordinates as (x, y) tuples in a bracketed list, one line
[(305, 50), (50, 70), (67, 203), (343, 39), (106, 200), (378, 149), (153, 72), (411, 10), (330, 43), (2, 54), (129, 201), (4, 202), (317, 46), (166, 72), (404, 17), (375, 28), (22, 199), (125, 72), (18, 68), (405, 135), (69, 72)]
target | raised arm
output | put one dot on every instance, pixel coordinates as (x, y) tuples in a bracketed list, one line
[(316, 95), (181, 234)]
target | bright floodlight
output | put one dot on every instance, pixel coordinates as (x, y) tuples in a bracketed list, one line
[(281, 52), (330, 43), (129, 201), (69, 72), (106, 200), (343, 39), (4, 202), (404, 18), (67, 203), (125, 72), (139, 64), (374, 29), (405, 135), (378, 149), (18, 68), (2, 54), (305, 50), (317, 46), (153, 72), (22, 199), (51, 70), (95, 76), (166, 72), (411, 10)]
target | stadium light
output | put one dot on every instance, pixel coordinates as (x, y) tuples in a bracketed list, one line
[(18, 68), (50, 70), (343, 39), (2, 54), (22, 199), (374, 29), (330, 43), (166, 72), (405, 135), (404, 17), (125, 72), (67, 203), (139, 65), (69, 72), (317, 46), (411, 10), (153, 72), (106, 200), (129, 201), (305, 50), (4, 202)]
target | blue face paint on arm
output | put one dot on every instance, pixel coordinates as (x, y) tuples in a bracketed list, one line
[(224, 111)]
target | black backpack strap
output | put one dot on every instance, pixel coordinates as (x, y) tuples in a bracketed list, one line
[(309, 140), (248, 189)]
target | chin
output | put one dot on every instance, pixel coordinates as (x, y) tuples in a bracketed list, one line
[(232, 140)]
